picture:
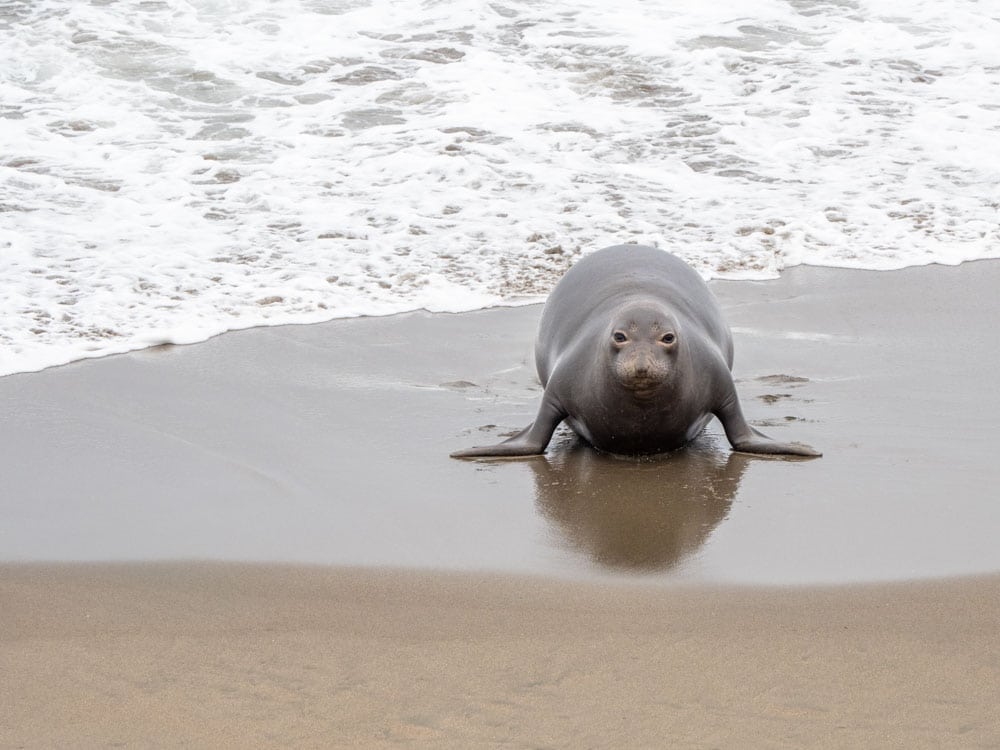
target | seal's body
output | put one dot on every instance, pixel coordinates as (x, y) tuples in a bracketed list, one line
[(635, 356)]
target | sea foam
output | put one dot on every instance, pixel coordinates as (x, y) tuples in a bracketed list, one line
[(173, 169)]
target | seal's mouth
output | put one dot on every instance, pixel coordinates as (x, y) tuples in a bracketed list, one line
[(644, 387), (642, 383)]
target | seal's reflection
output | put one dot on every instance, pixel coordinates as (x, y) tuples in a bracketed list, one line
[(637, 515)]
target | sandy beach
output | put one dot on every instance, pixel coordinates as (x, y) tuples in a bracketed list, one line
[(246, 656), (261, 541)]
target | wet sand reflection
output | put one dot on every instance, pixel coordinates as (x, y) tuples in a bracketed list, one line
[(643, 515)]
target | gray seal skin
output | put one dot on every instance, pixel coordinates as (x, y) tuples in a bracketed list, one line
[(634, 355)]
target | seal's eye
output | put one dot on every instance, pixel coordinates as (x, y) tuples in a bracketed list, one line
[(668, 338), (619, 337)]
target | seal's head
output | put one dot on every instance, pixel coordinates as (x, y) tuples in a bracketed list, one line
[(644, 344)]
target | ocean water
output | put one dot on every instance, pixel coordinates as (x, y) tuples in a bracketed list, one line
[(171, 169)]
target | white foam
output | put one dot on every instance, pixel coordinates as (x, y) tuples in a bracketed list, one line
[(174, 169)]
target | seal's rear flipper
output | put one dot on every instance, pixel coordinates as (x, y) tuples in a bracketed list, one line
[(531, 441)]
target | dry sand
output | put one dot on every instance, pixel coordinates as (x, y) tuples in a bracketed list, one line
[(611, 615), (240, 656)]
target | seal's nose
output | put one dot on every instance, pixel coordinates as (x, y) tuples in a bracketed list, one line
[(646, 364), (645, 369)]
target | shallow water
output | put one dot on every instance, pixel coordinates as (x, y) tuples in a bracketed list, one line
[(173, 169)]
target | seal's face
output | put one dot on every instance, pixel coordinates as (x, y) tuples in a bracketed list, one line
[(644, 346)]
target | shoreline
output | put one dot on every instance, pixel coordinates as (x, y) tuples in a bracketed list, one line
[(526, 301)]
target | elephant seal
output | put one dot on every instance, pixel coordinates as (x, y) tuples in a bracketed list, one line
[(634, 355)]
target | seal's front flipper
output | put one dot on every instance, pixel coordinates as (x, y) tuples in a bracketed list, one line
[(746, 439), (761, 443), (531, 441)]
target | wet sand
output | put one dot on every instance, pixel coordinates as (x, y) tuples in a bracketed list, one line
[(574, 600), (329, 444)]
